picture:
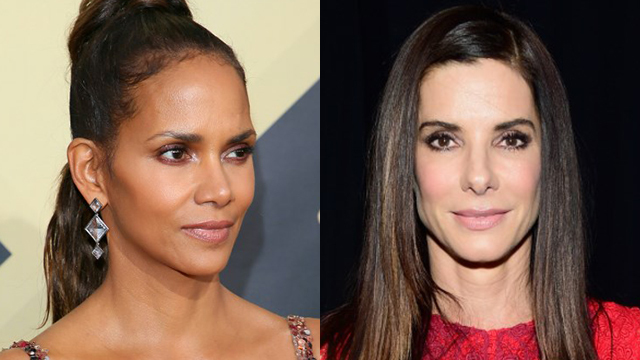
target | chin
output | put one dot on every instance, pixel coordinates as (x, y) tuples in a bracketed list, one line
[(203, 270), (486, 258), (482, 250), (202, 263)]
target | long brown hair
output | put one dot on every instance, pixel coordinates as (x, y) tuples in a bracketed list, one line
[(114, 45), (388, 317)]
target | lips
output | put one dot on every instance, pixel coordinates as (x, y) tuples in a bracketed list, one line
[(479, 220), (214, 232)]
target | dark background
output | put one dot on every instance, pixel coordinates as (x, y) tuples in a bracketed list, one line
[(595, 48)]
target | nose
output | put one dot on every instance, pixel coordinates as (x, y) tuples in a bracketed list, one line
[(213, 185), (478, 175)]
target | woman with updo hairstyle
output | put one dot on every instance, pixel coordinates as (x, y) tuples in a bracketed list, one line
[(475, 237), (158, 180)]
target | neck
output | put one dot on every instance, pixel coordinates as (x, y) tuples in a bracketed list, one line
[(143, 301), (489, 297)]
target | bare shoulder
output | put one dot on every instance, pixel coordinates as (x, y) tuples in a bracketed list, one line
[(63, 339), (269, 333), (249, 313), (13, 354)]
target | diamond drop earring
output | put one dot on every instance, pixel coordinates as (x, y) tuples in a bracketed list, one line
[(96, 228)]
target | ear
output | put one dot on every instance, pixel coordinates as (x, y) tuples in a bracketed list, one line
[(87, 170)]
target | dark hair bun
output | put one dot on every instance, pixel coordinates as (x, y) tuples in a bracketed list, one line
[(96, 14)]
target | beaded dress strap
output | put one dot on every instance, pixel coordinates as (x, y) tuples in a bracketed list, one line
[(301, 337), (32, 349)]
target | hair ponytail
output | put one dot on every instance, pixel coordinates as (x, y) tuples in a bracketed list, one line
[(114, 45), (71, 271)]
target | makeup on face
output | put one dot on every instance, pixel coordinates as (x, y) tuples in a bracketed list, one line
[(183, 170), (477, 159), (446, 136), (213, 231), (479, 220)]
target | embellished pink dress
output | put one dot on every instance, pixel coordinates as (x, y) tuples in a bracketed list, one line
[(617, 340)]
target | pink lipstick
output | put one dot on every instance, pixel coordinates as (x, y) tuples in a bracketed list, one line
[(214, 232), (478, 220)]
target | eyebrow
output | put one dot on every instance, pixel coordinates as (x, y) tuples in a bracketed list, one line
[(195, 138), (513, 123), (442, 124), (500, 127), (244, 136), (186, 137)]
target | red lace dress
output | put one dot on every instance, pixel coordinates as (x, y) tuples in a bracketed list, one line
[(618, 341)]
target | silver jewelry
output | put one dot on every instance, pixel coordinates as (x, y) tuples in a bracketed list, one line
[(96, 228)]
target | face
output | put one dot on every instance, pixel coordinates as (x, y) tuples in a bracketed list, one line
[(477, 160), (182, 174)]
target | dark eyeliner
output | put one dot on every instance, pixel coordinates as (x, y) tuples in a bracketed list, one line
[(437, 136), (518, 135), (172, 147), (247, 151)]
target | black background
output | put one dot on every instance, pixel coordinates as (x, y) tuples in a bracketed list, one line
[(595, 48)]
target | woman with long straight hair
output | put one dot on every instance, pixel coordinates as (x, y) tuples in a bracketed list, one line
[(159, 178), (474, 240)]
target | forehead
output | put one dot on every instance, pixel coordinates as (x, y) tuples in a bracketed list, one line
[(485, 91), (193, 95)]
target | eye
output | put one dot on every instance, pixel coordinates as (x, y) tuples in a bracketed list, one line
[(240, 154), (441, 141), (514, 140), (174, 154)]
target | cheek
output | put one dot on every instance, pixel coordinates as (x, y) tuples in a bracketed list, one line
[(523, 178), (146, 195), (158, 193), (148, 198), (436, 179)]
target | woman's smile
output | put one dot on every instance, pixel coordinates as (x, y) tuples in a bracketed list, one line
[(480, 220)]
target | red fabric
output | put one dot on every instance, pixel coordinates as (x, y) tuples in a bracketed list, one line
[(519, 342), (625, 328)]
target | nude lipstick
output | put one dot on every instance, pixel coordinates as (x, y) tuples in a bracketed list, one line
[(214, 232), (479, 220)]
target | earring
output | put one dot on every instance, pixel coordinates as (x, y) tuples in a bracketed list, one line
[(96, 228)]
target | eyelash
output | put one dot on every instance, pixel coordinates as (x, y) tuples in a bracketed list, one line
[(523, 138), (245, 149), (437, 136)]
